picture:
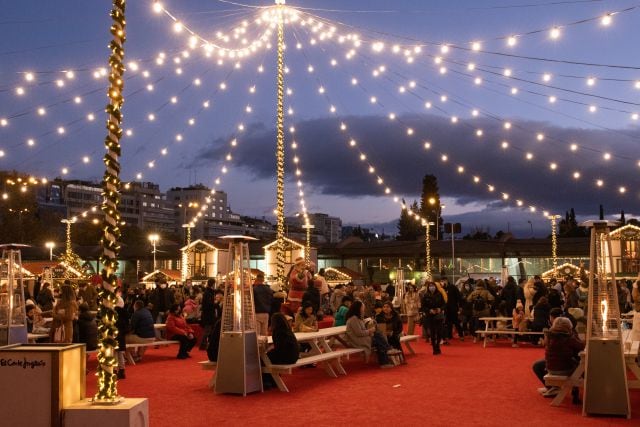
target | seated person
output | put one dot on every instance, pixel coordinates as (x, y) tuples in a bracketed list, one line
[(87, 327), (142, 329), (306, 319), (341, 313), (35, 321), (368, 339), (178, 329), (390, 325), (562, 355), (285, 346)]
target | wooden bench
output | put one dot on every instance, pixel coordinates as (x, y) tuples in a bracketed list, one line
[(134, 346), (565, 383), (324, 358), (407, 340), (209, 365)]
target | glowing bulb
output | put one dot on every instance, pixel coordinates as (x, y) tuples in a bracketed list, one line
[(507, 125), (554, 33), (476, 179), (593, 108), (514, 90), (65, 171), (552, 99), (471, 66), (553, 166), (507, 72), (511, 41), (157, 7), (529, 156), (622, 190), (460, 169), (477, 81), (86, 159), (443, 70), (599, 183), (151, 117), (427, 145), (504, 145), (476, 46), (546, 77), (427, 105), (42, 111), (29, 77), (177, 27), (576, 175), (475, 113), (30, 142), (606, 20), (606, 156), (540, 137), (90, 117), (61, 130), (70, 74), (479, 132), (591, 81), (454, 119), (635, 116), (444, 157), (77, 100), (19, 91), (573, 147)]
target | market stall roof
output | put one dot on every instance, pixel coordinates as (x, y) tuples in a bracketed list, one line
[(288, 240), (35, 268), (337, 275), (200, 243), (170, 275), (626, 232), (565, 269)]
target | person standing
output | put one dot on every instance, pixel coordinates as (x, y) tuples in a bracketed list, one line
[(452, 309), (299, 278), (262, 301), (480, 300), (64, 313), (89, 295), (162, 300), (207, 313), (412, 308), (433, 306)]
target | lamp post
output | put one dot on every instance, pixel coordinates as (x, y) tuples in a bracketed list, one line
[(554, 243), (153, 238), (50, 246), (438, 211), (185, 256), (68, 242), (307, 252), (427, 243)]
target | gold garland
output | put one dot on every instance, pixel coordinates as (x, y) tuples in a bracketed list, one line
[(427, 244), (107, 332), (280, 155), (554, 244)]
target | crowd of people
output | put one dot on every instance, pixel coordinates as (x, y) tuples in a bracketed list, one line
[(371, 313)]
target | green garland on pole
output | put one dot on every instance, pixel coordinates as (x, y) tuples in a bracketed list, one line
[(107, 331)]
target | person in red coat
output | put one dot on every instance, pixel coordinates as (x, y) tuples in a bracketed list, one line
[(179, 330), (298, 278)]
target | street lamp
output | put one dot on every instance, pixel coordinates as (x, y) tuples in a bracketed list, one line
[(153, 238), (433, 202), (427, 243), (50, 246)]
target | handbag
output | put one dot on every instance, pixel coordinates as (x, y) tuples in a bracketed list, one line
[(58, 335)]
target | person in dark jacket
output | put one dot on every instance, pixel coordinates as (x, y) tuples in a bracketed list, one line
[(285, 346), (141, 327), (162, 299), (87, 328), (122, 324), (561, 356), (262, 300), (541, 315), (510, 294), (312, 295), (432, 307), (45, 298), (390, 322), (207, 313), (214, 341), (452, 310)]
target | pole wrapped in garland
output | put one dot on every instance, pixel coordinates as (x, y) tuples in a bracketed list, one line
[(107, 317), (280, 151)]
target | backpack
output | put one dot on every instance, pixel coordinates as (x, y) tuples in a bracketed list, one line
[(479, 303)]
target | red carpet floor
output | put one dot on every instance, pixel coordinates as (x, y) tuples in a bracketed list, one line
[(466, 386)]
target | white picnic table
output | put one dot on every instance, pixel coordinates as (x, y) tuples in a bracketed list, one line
[(490, 328)]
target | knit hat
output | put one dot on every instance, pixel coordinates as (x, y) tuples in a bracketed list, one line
[(561, 325)]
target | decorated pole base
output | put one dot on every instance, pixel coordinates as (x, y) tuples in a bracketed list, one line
[(130, 412), (113, 401)]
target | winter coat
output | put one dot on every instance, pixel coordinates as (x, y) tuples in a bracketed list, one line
[(176, 325), (358, 335), (207, 316), (285, 348), (142, 323), (509, 295), (88, 330), (411, 303), (488, 298), (562, 352), (262, 298), (433, 301)]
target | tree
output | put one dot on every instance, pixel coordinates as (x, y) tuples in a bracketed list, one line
[(408, 227), (478, 234), (569, 226), (430, 206)]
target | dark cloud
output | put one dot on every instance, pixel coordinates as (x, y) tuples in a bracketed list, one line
[(333, 168)]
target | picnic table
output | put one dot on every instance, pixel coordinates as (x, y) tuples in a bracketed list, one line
[(490, 328), (321, 352)]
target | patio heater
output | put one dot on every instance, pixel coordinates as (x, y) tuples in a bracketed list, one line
[(238, 369), (13, 321), (605, 379)]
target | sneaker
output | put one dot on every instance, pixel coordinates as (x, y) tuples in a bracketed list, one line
[(552, 392), (542, 390)]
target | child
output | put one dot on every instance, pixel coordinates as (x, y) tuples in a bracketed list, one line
[(519, 322), (340, 317)]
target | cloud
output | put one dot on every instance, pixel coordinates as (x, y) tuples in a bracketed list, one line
[(332, 167)]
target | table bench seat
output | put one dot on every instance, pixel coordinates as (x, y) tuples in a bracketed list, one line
[(407, 340), (507, 332), (316, 358), (134, 346)]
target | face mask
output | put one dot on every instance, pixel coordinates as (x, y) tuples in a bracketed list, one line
[(432, 288)]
